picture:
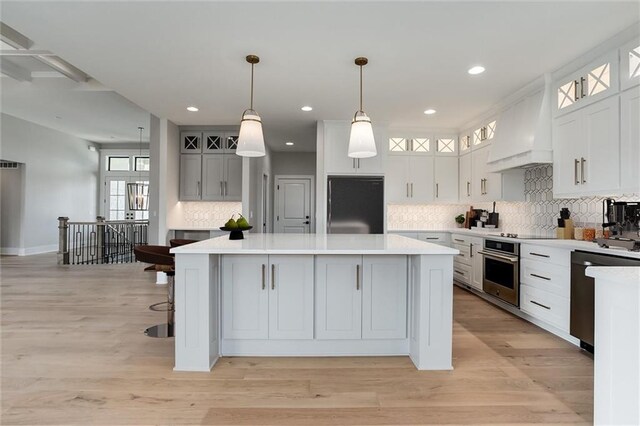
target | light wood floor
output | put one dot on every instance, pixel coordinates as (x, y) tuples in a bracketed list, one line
[(73, 352)]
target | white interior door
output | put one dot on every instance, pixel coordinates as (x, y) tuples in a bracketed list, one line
[(116, 201), (293, 205)]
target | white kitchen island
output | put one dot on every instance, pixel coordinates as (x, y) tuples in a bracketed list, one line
[(313, 295)]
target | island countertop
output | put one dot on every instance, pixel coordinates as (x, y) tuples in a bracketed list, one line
[(315, 244)]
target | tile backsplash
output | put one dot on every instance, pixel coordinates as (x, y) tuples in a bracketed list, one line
[(536, 215), (203, 214)]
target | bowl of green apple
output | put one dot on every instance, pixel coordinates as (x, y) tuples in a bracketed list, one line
[(236, 226)]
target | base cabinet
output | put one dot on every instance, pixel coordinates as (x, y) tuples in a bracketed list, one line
[(267, 297), (361, 297), (384, 297), (338, 297)]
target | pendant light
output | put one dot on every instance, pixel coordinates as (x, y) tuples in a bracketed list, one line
[(251, 139), (361, 141), (138, 192)]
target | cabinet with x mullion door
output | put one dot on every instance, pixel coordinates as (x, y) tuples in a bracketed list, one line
[(209, 168)]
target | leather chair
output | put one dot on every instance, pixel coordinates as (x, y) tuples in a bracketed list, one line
[(162, 261)]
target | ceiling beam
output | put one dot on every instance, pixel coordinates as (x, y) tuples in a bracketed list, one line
[(64, 67), (15, 71), (6, 52), (14, 38)]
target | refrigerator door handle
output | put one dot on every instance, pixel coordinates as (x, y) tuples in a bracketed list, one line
[(329, 215)]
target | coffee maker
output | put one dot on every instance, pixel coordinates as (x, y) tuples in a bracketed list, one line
[(623, 220)]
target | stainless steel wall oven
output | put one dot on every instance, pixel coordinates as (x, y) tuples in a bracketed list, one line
[(501, 266)]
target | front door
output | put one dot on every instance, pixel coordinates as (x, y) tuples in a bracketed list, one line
[(293, 205), (116, 204)]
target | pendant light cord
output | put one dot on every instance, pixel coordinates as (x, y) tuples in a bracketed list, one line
[(360, 87), (251, 102)]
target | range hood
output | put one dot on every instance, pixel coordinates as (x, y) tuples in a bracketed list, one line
[(523, 130)]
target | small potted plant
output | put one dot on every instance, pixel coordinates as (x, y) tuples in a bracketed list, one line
[(459, 220)]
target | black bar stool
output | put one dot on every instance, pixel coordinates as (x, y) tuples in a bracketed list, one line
[(163, 261)]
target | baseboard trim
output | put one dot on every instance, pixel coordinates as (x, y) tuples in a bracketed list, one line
[(13, 251)]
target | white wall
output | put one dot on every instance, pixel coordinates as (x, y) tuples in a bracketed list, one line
[(164, 177), (293, 163), (11, 200), (253, 210), (60, 179)]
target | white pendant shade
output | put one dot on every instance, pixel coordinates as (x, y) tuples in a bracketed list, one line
[(250, 139), (361, 141)]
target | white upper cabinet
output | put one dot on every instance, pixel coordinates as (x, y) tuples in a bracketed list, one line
[(587, 150), (446, 179), (409, 179), (464, 180), (630, 141), (215, 142), (336, 146), (591, 83), (630, 64)]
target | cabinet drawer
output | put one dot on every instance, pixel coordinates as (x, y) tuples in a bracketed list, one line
[(552, 278), (461, 272), (545, 306), (434, 237), (461, 239), (465, 253), (553, 255)]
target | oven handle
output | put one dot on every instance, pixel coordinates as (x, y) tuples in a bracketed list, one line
[(497, 256)]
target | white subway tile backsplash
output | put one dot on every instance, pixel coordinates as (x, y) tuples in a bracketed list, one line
[(537, 215)]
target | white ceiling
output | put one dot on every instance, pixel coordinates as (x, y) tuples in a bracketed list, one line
[(164, 56)]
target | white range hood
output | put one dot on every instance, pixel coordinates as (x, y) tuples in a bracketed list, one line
[(523, 129)]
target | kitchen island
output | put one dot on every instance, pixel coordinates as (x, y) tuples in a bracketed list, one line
[(313, 295)]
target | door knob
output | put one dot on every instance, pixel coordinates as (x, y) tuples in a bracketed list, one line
[(306, 222)]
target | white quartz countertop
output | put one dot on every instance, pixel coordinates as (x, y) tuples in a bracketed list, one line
[(619, 274), (567, 244), (315, 244)]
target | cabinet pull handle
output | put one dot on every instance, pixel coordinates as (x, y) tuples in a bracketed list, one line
[(221, 190), (432, 238), (457, 240), (575, 171), (461, 254), (411, 189), (541, 277), (226, 190), (582, 161), (485, 187), (357, 277), (471, 250), (273, 276), (264, 275), (459, 272), (541, 305), (539, 255), (358, 162), (407, 189), (582, 82), (437, 190), (576, 90), (468, 189)]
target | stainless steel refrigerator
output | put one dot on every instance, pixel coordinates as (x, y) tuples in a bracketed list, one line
[(355, 205)]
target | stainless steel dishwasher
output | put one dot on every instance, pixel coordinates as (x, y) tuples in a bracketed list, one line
[(582, 293)]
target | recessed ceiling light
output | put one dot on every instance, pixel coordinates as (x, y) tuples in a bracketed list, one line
[(192, 109), (306, 108), (477, 69), (430, 111), (288, 143)]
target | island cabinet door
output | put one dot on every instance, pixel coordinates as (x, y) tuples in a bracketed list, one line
[(245, 293), (291, 297), (338, 298), (384, 297)]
